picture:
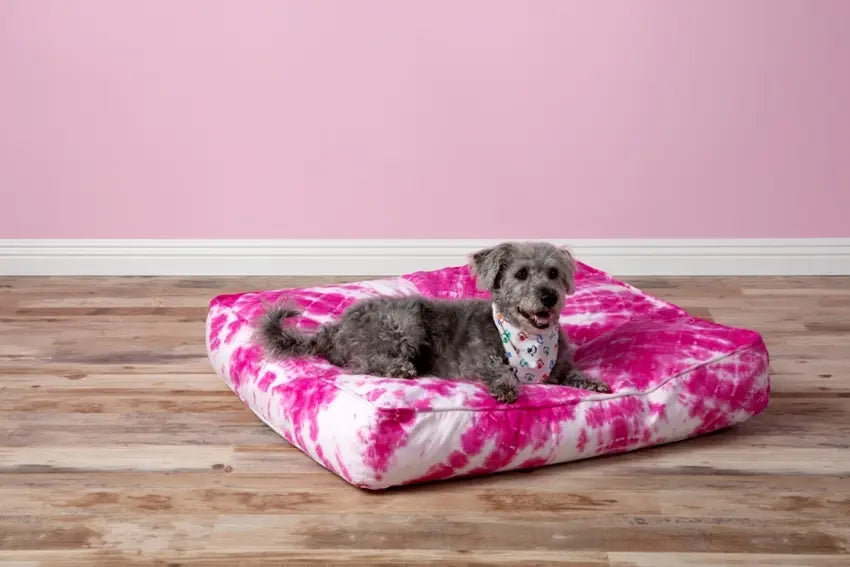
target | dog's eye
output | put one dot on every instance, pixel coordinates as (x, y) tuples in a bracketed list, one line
[(521, 274), (553, 273)]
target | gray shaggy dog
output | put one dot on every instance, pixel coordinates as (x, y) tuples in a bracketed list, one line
[(407, 337)]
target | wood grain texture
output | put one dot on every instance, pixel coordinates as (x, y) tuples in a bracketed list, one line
[(119, 446)]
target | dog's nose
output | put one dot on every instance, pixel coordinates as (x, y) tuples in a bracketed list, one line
[(548, 297)]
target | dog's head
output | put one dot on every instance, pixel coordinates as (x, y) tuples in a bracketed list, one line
[(529, 281)]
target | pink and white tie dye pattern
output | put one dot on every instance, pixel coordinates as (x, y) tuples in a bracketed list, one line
[(673, 376)]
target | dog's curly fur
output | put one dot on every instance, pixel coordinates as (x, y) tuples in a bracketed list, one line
[(407, 337)]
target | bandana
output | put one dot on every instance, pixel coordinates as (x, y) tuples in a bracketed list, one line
[(531, 355)]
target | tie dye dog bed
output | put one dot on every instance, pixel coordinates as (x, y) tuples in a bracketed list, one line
[(673, 376)]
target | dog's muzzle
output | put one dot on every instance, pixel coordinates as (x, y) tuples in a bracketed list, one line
[(538, 319)]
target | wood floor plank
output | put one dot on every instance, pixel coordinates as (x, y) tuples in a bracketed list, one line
[(590, 533), (725, 560), (794, 506), (151, 458), (119, 446), (304, 557)]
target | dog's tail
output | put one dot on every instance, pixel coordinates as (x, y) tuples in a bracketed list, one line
[(281, 342)]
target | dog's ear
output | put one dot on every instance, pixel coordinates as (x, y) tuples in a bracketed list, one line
[(487, 265), (567, 269)]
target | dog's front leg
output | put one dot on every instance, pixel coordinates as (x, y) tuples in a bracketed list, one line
[(566, 374), (499, 378)]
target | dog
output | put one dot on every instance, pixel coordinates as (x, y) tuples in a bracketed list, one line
[(512, 339)]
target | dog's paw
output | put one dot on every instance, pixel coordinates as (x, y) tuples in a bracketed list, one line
[(404, 370), (504, 392), (598, 386), (578, 380)]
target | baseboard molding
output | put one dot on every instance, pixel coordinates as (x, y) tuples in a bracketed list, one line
[(625, 257)]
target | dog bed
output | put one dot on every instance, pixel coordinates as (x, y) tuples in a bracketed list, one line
[(673, 376)]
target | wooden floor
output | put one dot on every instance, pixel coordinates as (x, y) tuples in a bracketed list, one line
[(119, 446)]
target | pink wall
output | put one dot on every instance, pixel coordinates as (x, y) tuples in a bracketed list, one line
[(444, 118)]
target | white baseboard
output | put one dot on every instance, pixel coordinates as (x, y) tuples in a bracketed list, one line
[(625, 257)]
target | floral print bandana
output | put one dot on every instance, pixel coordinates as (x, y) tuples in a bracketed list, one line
[(531, 355)]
